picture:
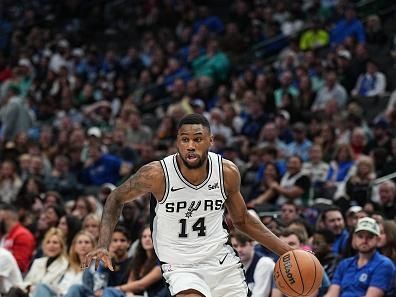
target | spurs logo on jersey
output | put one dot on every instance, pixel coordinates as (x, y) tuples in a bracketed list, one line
[(188, 222)]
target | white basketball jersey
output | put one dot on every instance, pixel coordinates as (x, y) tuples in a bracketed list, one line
[(188, 222)]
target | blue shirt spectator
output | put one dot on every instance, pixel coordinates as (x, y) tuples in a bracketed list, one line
[(354, 280), (350, 26)]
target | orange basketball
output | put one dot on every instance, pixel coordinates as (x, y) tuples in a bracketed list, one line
[(298, 273)]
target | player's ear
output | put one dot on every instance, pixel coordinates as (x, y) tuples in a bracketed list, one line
[(211, 139)]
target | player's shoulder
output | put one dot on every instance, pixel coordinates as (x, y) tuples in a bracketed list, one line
[(151, 169), (229, 168)]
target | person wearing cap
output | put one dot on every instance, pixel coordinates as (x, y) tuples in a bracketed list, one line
[(345, 72), (368, 273)]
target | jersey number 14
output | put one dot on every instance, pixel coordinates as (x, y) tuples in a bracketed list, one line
[(199, 226)]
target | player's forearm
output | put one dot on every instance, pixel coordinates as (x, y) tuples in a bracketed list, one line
[(259, 232), (111, 214)]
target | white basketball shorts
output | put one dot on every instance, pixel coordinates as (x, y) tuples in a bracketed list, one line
[(219, 276)]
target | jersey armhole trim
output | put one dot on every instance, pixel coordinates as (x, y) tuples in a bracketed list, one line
[(221, 174), (166, 175)]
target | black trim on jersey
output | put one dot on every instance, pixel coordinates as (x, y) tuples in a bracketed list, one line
[(185, 181), (221, 175), (153, 214), (166, 174)]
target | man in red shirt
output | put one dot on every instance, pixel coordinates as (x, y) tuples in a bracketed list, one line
[(16, 238)]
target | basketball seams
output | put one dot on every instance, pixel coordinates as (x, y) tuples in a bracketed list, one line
[(285, 281), (299, 271), (314, 282)]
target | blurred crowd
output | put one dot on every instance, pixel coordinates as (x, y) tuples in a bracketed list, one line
[(300, 95)]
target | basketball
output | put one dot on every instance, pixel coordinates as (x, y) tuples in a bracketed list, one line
[(298, 273)]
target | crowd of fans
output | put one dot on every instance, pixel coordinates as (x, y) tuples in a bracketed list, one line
[(92, 90)]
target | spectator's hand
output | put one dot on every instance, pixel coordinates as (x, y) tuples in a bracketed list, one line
[(98, 293), (97, 255), (273, 185)]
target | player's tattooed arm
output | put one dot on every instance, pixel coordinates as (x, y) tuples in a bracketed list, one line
[(147, 179)]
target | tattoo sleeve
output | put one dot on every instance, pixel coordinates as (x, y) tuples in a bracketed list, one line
[(137, 185), (111, 214)]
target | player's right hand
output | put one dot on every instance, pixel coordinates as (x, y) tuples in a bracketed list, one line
[(99, 254)]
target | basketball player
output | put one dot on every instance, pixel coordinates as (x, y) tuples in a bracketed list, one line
[(191, 189)]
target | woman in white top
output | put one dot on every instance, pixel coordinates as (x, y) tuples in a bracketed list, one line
[(81, 245), (50, 268)]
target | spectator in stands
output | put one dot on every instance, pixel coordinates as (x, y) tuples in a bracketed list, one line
[(358, 141), (333, 220), (374, 32), (50, 268), (103, 168), (352, 215), (371, 83), (10, 182), (82, 207), (137, 132), (381, 137), (368, 273), (294, 183), (314, 37), (14, 115), (269, 137), (387, 198), (62, 180), (213, 65), (91, 224), (258, 268), (82, 244), (95, 280), (10, 275), (300, 145), (321, 246), (70, 226), (358, 186), (345, 73), (288, 213), (339, 172), (282, 120), (145, 273), (331, 90), (387, 239), (349, 26), (316, 169), (286, 87), (264, 194), (255, 119), (16, 238)]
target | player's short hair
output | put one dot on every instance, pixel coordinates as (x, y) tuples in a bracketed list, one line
[(194, 119)]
